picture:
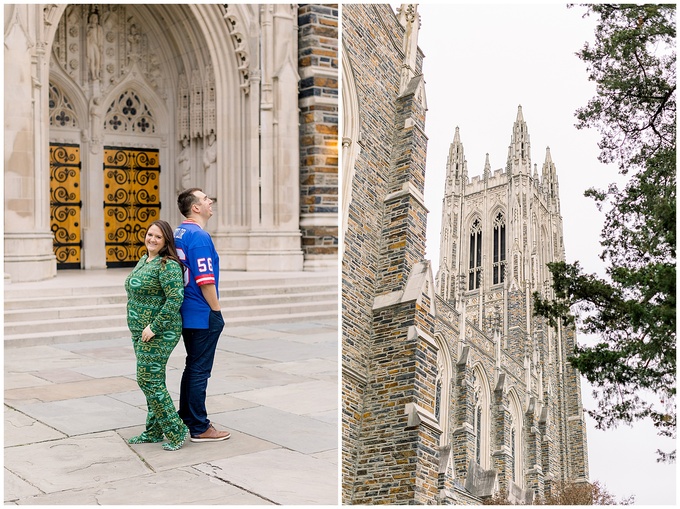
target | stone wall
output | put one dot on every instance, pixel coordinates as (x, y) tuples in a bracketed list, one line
[(361, 249), (318, 103)]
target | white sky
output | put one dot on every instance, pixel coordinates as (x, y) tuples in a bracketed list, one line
[(481, 62)]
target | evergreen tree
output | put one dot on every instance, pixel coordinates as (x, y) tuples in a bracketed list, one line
[(631, 311)]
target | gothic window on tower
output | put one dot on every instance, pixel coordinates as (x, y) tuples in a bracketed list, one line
[(475, 273), (499, 249)]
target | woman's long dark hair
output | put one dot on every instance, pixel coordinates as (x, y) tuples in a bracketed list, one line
[(169, 251)]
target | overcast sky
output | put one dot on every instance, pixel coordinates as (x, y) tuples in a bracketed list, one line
[(481, 63)]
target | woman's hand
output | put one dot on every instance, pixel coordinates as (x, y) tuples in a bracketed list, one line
[(147, 334)]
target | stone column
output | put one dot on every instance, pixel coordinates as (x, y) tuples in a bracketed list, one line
[(463, 436), (400, 435), (576, 441), (535, 475), (92, 182), (29, 253), (547, 450), (275, 238)]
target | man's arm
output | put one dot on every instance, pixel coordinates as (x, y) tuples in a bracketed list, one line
[(210, 294)]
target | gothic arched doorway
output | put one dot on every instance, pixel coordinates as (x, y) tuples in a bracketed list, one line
[(128, 97), (222, 84)]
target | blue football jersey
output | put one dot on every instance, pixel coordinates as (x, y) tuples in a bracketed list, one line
[(197, 251)]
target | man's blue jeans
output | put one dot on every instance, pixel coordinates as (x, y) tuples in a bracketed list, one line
[(200, 345)]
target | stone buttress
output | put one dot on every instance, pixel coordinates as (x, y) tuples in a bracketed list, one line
[(389, 375)]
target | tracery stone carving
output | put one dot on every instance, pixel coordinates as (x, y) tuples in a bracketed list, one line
[(49, 12), (209, 104), (446, 313), (102, 45), (196, 106), (128, 114), (62, 113), (210, 166), (183, 107), (154, 74), (243, 58)]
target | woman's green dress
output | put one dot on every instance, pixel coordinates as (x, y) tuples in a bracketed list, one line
[(155, 293)]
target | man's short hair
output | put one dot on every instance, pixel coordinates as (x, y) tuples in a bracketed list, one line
[(186, 200)]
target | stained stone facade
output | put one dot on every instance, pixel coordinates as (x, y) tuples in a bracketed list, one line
[(452, 390), (241, 100)]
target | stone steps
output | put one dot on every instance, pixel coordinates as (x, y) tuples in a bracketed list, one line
[(232, 288), (68, 305), (94, 310)]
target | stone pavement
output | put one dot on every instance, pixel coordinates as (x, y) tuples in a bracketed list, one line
[(70, 408)]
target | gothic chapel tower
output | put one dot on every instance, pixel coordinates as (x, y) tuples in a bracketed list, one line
[(498, 233)]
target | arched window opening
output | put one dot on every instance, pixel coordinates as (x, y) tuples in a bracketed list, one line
[(442, 398), (438, 398), (513, 450), (478, 433), (480, 418), (499, 249), (516, 442), (475, 272)]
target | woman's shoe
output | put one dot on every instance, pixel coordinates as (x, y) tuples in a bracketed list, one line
[(174, 445), (146, 438)]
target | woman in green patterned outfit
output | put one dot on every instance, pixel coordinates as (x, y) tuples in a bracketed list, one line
[(155, 291)]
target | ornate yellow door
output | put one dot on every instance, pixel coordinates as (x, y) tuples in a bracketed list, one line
[(131, 202), (65, 204)]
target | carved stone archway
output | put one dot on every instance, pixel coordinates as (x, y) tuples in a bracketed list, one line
[(241, 56)]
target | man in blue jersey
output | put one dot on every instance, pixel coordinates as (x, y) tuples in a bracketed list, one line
[(202, 321)]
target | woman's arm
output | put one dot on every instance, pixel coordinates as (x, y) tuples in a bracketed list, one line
[(172, 283)]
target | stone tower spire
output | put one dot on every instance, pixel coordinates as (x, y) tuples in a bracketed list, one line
[(519, 152), (410, 20), (455, 164), (549, 178), (456, 179)]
